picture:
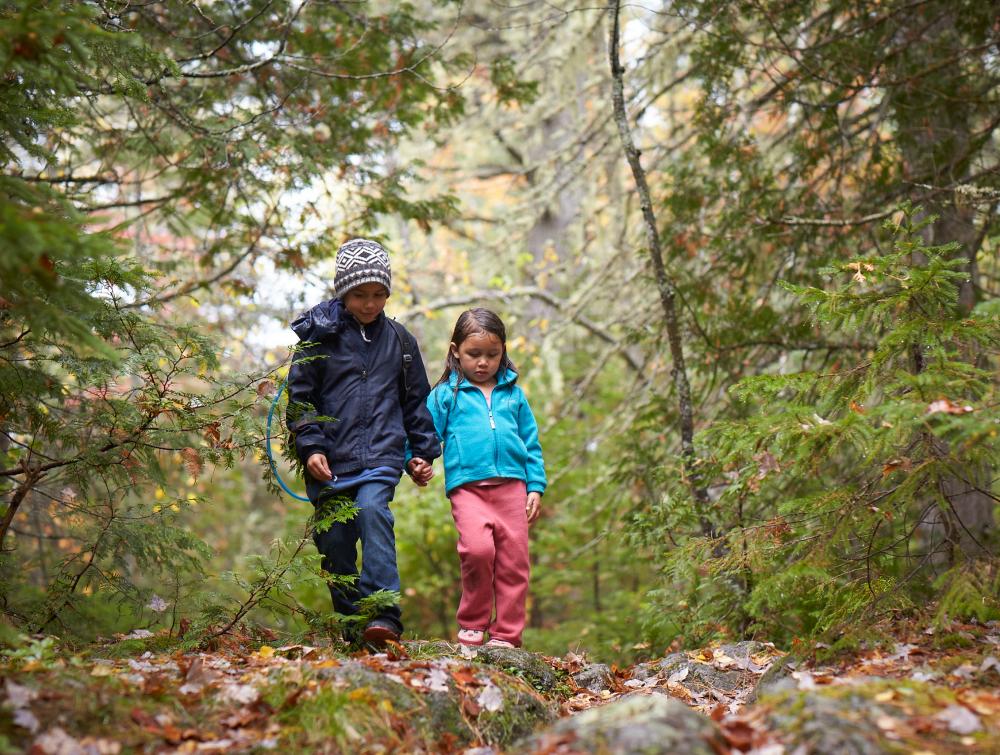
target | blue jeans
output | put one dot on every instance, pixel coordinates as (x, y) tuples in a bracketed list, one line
[(373, 525)]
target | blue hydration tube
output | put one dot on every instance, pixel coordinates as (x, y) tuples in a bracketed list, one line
[(267, 446)]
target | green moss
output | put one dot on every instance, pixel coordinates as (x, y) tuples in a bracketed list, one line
[(158, 644), (317, 719), (953, 640), (523, 712)]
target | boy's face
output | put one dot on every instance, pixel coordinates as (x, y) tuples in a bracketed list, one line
[(366, 301)]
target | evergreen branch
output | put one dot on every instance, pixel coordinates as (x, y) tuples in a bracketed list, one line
[(24, 332), (836, 222), (261, 590)]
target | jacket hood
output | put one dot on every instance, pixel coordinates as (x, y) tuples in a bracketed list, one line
[(504, 377), (325, 319)]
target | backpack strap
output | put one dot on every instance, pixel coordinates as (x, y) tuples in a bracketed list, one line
[(407, 345)]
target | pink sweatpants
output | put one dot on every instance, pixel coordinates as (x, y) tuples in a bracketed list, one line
[(493, 551)]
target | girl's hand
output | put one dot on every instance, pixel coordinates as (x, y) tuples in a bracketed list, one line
[(319, 468), (532, 507)]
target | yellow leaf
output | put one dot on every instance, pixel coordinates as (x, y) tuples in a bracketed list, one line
[(266, 651)]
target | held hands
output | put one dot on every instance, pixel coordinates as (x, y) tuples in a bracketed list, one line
[(533, 507), (420, 471), (319, 468)]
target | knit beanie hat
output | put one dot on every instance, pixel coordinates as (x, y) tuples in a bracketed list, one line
[(361, 261)]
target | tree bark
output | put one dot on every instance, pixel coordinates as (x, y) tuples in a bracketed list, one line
[(665, 286), (936, 134), (20, 493)]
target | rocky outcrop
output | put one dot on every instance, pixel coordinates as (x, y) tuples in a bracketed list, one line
[(633, 725)]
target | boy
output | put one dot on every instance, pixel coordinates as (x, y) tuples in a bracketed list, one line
[(363, 372)]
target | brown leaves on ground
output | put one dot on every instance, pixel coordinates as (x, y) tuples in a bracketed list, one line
[(931, 684)]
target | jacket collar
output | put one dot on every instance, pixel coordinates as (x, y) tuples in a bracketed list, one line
[(329, 318)]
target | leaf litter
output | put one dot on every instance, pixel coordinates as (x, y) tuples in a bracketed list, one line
[(228, 693)]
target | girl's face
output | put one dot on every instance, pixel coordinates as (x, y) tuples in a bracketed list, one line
[(479, 356), (366, 301)]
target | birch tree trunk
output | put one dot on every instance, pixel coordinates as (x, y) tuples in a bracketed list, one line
[(665, 286)]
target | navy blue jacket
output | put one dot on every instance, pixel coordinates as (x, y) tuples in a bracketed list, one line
[(358, 387)]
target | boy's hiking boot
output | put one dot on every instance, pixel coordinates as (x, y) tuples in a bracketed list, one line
[(379, 632)]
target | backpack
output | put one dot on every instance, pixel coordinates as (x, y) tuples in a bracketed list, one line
[(407, 346)]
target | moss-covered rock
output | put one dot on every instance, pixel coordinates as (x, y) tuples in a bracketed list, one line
[(519, 662), (633, 725), (775, 678), (594, 677), (873, 715), (446, 701), (816, 722)]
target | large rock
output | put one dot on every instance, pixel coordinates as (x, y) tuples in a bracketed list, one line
[(831, 720), (447, 701), (594, 677), (518, 662), (633, 725), (777, 678)]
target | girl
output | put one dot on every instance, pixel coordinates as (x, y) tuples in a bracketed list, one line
[(494, 476)]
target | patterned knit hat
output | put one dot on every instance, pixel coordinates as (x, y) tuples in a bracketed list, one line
[(361, 261)]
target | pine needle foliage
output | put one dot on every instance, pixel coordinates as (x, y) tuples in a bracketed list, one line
[(839, 486)]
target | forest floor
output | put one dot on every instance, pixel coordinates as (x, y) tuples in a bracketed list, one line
[(919, 691)]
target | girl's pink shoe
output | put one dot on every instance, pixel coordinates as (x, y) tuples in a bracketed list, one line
[(495, 643), (471, 636)]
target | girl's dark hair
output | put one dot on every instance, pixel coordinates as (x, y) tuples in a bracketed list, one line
[(472, 322)]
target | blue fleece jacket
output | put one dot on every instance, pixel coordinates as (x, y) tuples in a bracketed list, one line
[(481, 440)]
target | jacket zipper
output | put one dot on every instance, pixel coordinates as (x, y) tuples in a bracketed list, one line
[(493, 427)]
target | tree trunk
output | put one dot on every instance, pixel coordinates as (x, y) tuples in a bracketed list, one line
[(936, 139), (665, 286)]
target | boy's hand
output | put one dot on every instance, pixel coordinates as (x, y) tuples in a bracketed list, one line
[(319, 468), (420, 471), (533, 507)]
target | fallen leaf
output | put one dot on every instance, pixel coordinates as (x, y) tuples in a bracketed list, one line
[(805, 680), (959, 719), (437, 680), (470, 706), (491, 698), (55, 742), (238, 693), (679, 676), (19, 696), (945, 406), (739, 734), (892, 465), (211, 433), (192, 461), (24, 718)]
